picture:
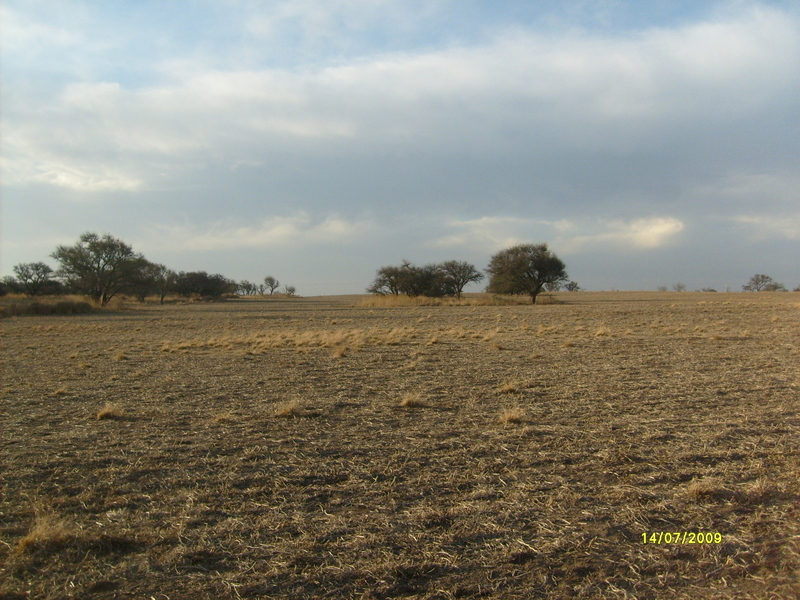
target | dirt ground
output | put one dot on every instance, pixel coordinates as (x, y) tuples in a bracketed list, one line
[(315, 448)]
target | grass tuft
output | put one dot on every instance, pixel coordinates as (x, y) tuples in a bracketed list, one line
[(339, 351), (509, 388), (289, 410), (413, 400), (110, 411), (47, 531), (511, 416)]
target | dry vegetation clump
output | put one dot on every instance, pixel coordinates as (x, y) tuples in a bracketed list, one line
[(413, 400), (289, 410), (47, 532), (511, 416), (110, 411), (258, 466), (339, 351), (509, 387)]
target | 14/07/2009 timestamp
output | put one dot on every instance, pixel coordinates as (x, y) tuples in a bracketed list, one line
[(681, 537)]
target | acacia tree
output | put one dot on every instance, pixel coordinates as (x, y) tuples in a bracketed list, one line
[(433, 280), (100, 267), (763, 283), (33, 278), (271, 283), (459, 274), (525, 269), (247, 288)]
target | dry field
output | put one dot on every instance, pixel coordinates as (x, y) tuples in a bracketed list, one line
[(314, 448)]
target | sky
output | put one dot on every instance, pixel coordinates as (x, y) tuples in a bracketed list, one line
[(647, 143)]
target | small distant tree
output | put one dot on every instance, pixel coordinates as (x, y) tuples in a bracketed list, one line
[(661, 288), (460, 273), (100, 267), (164, 281), (763, 283), (247, 288), (33, 278), (525, 269), (572, 286), (144, 279), (271, 284), (679, 287), (290, 290)]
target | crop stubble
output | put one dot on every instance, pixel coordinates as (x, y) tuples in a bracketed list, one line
[(313, 448)]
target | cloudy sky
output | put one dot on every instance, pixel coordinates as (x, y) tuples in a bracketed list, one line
[(316, 140)]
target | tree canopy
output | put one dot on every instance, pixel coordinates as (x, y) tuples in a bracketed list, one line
[(99, 266), (525, 269)]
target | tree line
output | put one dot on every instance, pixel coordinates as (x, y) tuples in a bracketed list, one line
[(103, 267), (525, 269)]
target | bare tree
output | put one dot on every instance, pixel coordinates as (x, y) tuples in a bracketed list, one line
[(289, 290), (679, 287)]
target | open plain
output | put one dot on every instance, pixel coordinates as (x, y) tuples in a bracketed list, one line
[(319, 448)]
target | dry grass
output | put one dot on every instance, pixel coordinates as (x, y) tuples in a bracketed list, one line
[(289, 410), (339, 351), (390, 301), (110, 411), (47, 531), (510, 387), (511, 416), (413, 400), (206, 492)]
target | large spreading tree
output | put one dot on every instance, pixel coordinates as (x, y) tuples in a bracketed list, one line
[(525, 269), (99, 266)]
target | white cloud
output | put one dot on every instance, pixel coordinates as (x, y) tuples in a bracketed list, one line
[(570, 236), (567, 92), (293, 231), (646, 233), (770, 226), (491, 233)]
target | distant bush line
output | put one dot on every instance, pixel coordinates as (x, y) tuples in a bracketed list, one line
[(62, 307)]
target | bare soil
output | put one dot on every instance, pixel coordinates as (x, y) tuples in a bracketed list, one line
[(313, 448)]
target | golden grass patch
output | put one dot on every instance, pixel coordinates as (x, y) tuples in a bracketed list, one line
[(511, 416), (47, 530), (413, 400), (339, 351), (289, 410), (109, 411), (510, 387)]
